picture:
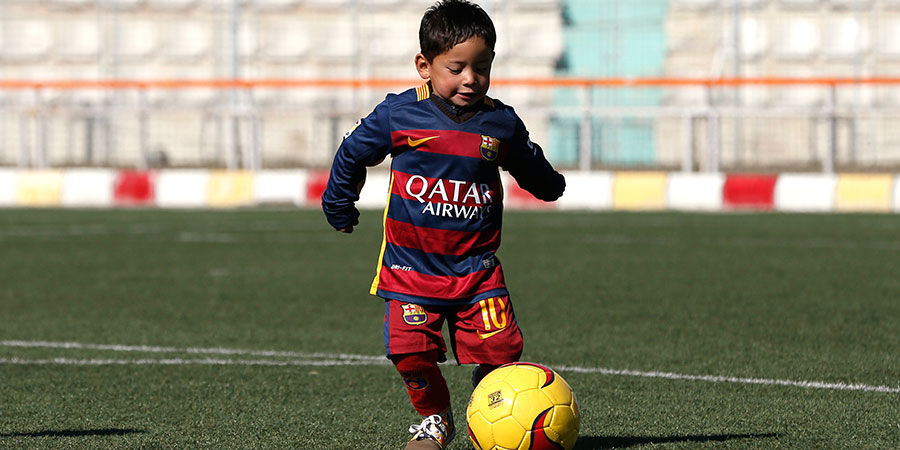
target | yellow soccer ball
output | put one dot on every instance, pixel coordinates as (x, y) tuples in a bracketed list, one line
[(523, 406)]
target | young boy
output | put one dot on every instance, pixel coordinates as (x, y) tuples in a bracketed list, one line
[(447, 141)]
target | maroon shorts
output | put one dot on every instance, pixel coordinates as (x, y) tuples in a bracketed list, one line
[(485, 332)]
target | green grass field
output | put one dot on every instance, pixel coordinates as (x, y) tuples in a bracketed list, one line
[(254, 329)]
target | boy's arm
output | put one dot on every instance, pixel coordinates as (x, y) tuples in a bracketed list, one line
[(527, 164), (366, 145)]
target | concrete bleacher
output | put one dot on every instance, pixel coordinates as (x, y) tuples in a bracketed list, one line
[(339, 39), (192, 39), (779, 35), (787, 39)]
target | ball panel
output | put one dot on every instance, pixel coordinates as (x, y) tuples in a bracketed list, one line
[(496, 401), (545, 374), (474, 439), (559, 391), (542, 441), (523, 377), (529, 405), (508, 433), (495, 375), (563, 426), (480, 431)]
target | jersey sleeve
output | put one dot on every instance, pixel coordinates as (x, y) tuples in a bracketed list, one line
[(526, 163), (366, 145)]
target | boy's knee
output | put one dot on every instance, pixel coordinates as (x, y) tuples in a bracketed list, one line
[(423, 379), (416, 362)]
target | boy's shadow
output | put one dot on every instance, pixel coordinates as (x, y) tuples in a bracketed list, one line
[(610, 442)]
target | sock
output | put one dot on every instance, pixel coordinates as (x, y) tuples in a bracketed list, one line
[(425, 384)]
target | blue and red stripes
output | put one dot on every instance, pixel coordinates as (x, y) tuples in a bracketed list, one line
[(408, 283), (440, 242)]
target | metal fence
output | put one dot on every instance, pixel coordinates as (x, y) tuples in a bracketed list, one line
[(237, 130)]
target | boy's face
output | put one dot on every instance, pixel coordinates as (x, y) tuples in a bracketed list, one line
[(460, 75)]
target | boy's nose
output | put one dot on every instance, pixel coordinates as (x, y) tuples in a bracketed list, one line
[(468, 77)]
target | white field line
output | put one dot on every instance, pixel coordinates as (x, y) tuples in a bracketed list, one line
[(804, 244), (137, 229), (189, 350), (343, 359), (193, 362), (736, 380)]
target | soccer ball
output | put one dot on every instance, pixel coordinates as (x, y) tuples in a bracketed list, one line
[(523, 406)]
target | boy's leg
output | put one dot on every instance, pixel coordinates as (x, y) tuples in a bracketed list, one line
[(425, 384), (486, 334), (414, 343)]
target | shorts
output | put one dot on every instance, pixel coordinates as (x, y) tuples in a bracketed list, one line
[(485, 332)]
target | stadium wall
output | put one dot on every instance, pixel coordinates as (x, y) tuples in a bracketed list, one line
[(591, 191)]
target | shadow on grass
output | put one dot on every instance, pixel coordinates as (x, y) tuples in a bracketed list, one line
[(610, 442), (75, 433)]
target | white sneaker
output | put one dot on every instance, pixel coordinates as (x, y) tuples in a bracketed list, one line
[(434, 433)]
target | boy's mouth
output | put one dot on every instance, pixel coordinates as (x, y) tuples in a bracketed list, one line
[(466, 96)]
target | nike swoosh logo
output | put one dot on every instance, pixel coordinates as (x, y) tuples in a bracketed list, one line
[(418, 142), (487, 335)]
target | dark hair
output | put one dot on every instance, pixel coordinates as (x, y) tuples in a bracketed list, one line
[(450, 22)]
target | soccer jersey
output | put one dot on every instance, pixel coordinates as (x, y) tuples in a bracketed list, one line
[(444, 210)]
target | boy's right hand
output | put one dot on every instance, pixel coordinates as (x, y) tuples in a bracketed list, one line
[(349, 228)]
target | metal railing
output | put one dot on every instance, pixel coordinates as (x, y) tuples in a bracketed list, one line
[(251, 124)]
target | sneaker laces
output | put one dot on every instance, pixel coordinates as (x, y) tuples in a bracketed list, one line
[(432, 427)]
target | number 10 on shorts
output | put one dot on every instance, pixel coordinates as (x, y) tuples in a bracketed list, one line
[(494, 316)]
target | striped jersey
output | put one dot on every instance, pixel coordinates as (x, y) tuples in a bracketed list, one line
[(444, 211)]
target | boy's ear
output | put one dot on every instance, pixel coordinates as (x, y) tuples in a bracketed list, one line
[(423, 66)]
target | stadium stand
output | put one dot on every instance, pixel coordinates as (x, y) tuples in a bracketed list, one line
[(26, 40), (275, 5), (845, 38), (801, 4), (187, 41), (342, 39), (851, 4), (124, 5), (172, 5), (754, 38), (284, 40), (888, 44), (70, 4), (79, 40), (136, 39), (797, 38), (695, 4)]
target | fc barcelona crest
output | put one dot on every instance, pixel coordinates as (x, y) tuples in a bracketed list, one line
[(490, 147), (414, 314)]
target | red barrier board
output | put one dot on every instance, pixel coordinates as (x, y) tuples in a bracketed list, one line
[(749, 191), (315, 186), (519, 198), (134, 188)]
